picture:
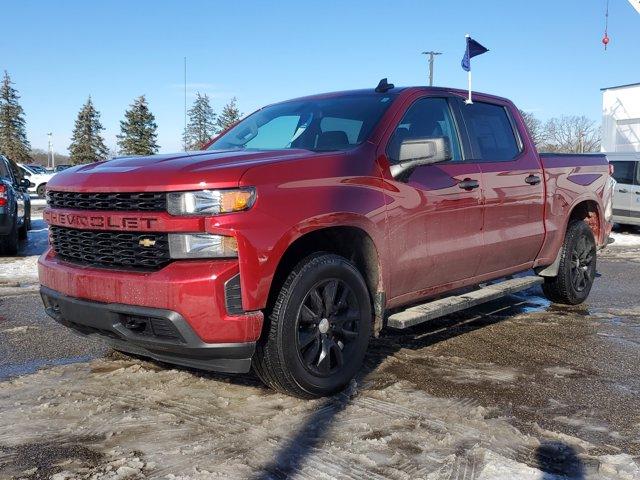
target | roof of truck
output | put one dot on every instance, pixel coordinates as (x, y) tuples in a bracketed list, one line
[(393, 91)]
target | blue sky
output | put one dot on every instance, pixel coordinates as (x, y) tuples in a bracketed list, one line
[(545, 55)]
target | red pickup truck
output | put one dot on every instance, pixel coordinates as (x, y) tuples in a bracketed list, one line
[(297, 233)]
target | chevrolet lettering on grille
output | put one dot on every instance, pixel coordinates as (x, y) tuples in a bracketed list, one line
[(77, 220)]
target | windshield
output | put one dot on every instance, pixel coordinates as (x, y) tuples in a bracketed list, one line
[(318, 124), (37, 169)]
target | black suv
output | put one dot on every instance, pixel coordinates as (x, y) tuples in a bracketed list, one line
[(15, 209)]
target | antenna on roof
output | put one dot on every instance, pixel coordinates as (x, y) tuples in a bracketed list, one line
[(384, 86)]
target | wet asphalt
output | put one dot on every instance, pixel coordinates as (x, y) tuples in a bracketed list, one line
[(574, 370), (568, 370)]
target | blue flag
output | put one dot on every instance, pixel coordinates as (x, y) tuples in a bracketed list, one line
[(473, 49)]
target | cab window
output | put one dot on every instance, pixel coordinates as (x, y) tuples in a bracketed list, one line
[(426, 118), (624, 172), (491, 132)]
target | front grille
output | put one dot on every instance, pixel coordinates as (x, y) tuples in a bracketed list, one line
[(110, 249), (146, 202), (151, 327)]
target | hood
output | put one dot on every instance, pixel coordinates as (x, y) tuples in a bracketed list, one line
[(170, 172)]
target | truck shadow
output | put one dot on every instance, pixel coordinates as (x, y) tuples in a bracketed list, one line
[(557, 459), (292, 454)]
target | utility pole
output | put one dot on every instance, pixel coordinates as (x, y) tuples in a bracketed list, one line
[(50, 153), (431, 55), (184, 133)]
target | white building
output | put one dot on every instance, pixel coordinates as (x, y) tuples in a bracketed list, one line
[(621, 118)]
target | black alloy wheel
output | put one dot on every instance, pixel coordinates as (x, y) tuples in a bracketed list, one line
[(582, 258), (315, 336), (327, 325), (576, 268)]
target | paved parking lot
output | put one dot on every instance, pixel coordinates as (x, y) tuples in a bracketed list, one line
[(515, 389)]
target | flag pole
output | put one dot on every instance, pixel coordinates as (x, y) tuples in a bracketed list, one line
[(468, 101)]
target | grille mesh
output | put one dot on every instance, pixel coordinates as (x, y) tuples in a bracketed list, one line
[(233, 296), (110, 249), (147, 202)]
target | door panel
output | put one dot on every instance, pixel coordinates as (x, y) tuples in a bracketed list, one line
[(435, 227), (513, 184), (624, 196), (434, 223), (634, 209), (514, 213)]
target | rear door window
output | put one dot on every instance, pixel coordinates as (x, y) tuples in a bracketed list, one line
[(491, 132), (624, 172)]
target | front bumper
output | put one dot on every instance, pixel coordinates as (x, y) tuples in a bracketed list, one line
[(6, 221), (161, 334), (193, 288)]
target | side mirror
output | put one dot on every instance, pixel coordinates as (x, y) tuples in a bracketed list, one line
[(421, 151), (24, 183)]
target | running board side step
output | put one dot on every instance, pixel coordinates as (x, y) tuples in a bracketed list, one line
[(445, 306)]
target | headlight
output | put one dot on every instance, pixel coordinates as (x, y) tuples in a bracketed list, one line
[(210, 202), (201, 245)]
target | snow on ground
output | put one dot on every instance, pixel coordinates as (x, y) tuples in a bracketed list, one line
[(18, 269), (23, 269), (36, 201), (625, 239), (122, 418), (626, 247)]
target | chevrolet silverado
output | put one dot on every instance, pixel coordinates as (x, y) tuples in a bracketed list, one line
[(298, 233)]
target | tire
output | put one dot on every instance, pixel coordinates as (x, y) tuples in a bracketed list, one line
[(26, 225), (316, 335), (9, 242), (577, 268), (41, 190)]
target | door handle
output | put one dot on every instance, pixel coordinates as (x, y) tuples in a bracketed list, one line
[(622, 190), (533, 180), (468, 184)]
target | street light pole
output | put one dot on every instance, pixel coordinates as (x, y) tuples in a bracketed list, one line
[(431, 55)]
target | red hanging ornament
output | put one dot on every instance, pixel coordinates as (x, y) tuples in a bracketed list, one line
[(605, 39)]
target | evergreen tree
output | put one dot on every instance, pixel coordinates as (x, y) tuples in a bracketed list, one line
[(202, 123), (138, 130), (13, 136), (230, 115), (86, 143)]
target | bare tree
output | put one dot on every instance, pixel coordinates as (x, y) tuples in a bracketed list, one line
[(535, 127), (571, 134)]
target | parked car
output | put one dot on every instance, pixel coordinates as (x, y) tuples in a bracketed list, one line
[(626, 201), (60, 168), (309, 225), (15, 209), (37, 181), (34, 167)]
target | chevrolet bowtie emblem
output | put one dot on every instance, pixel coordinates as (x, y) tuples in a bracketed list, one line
[(146, 242)]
